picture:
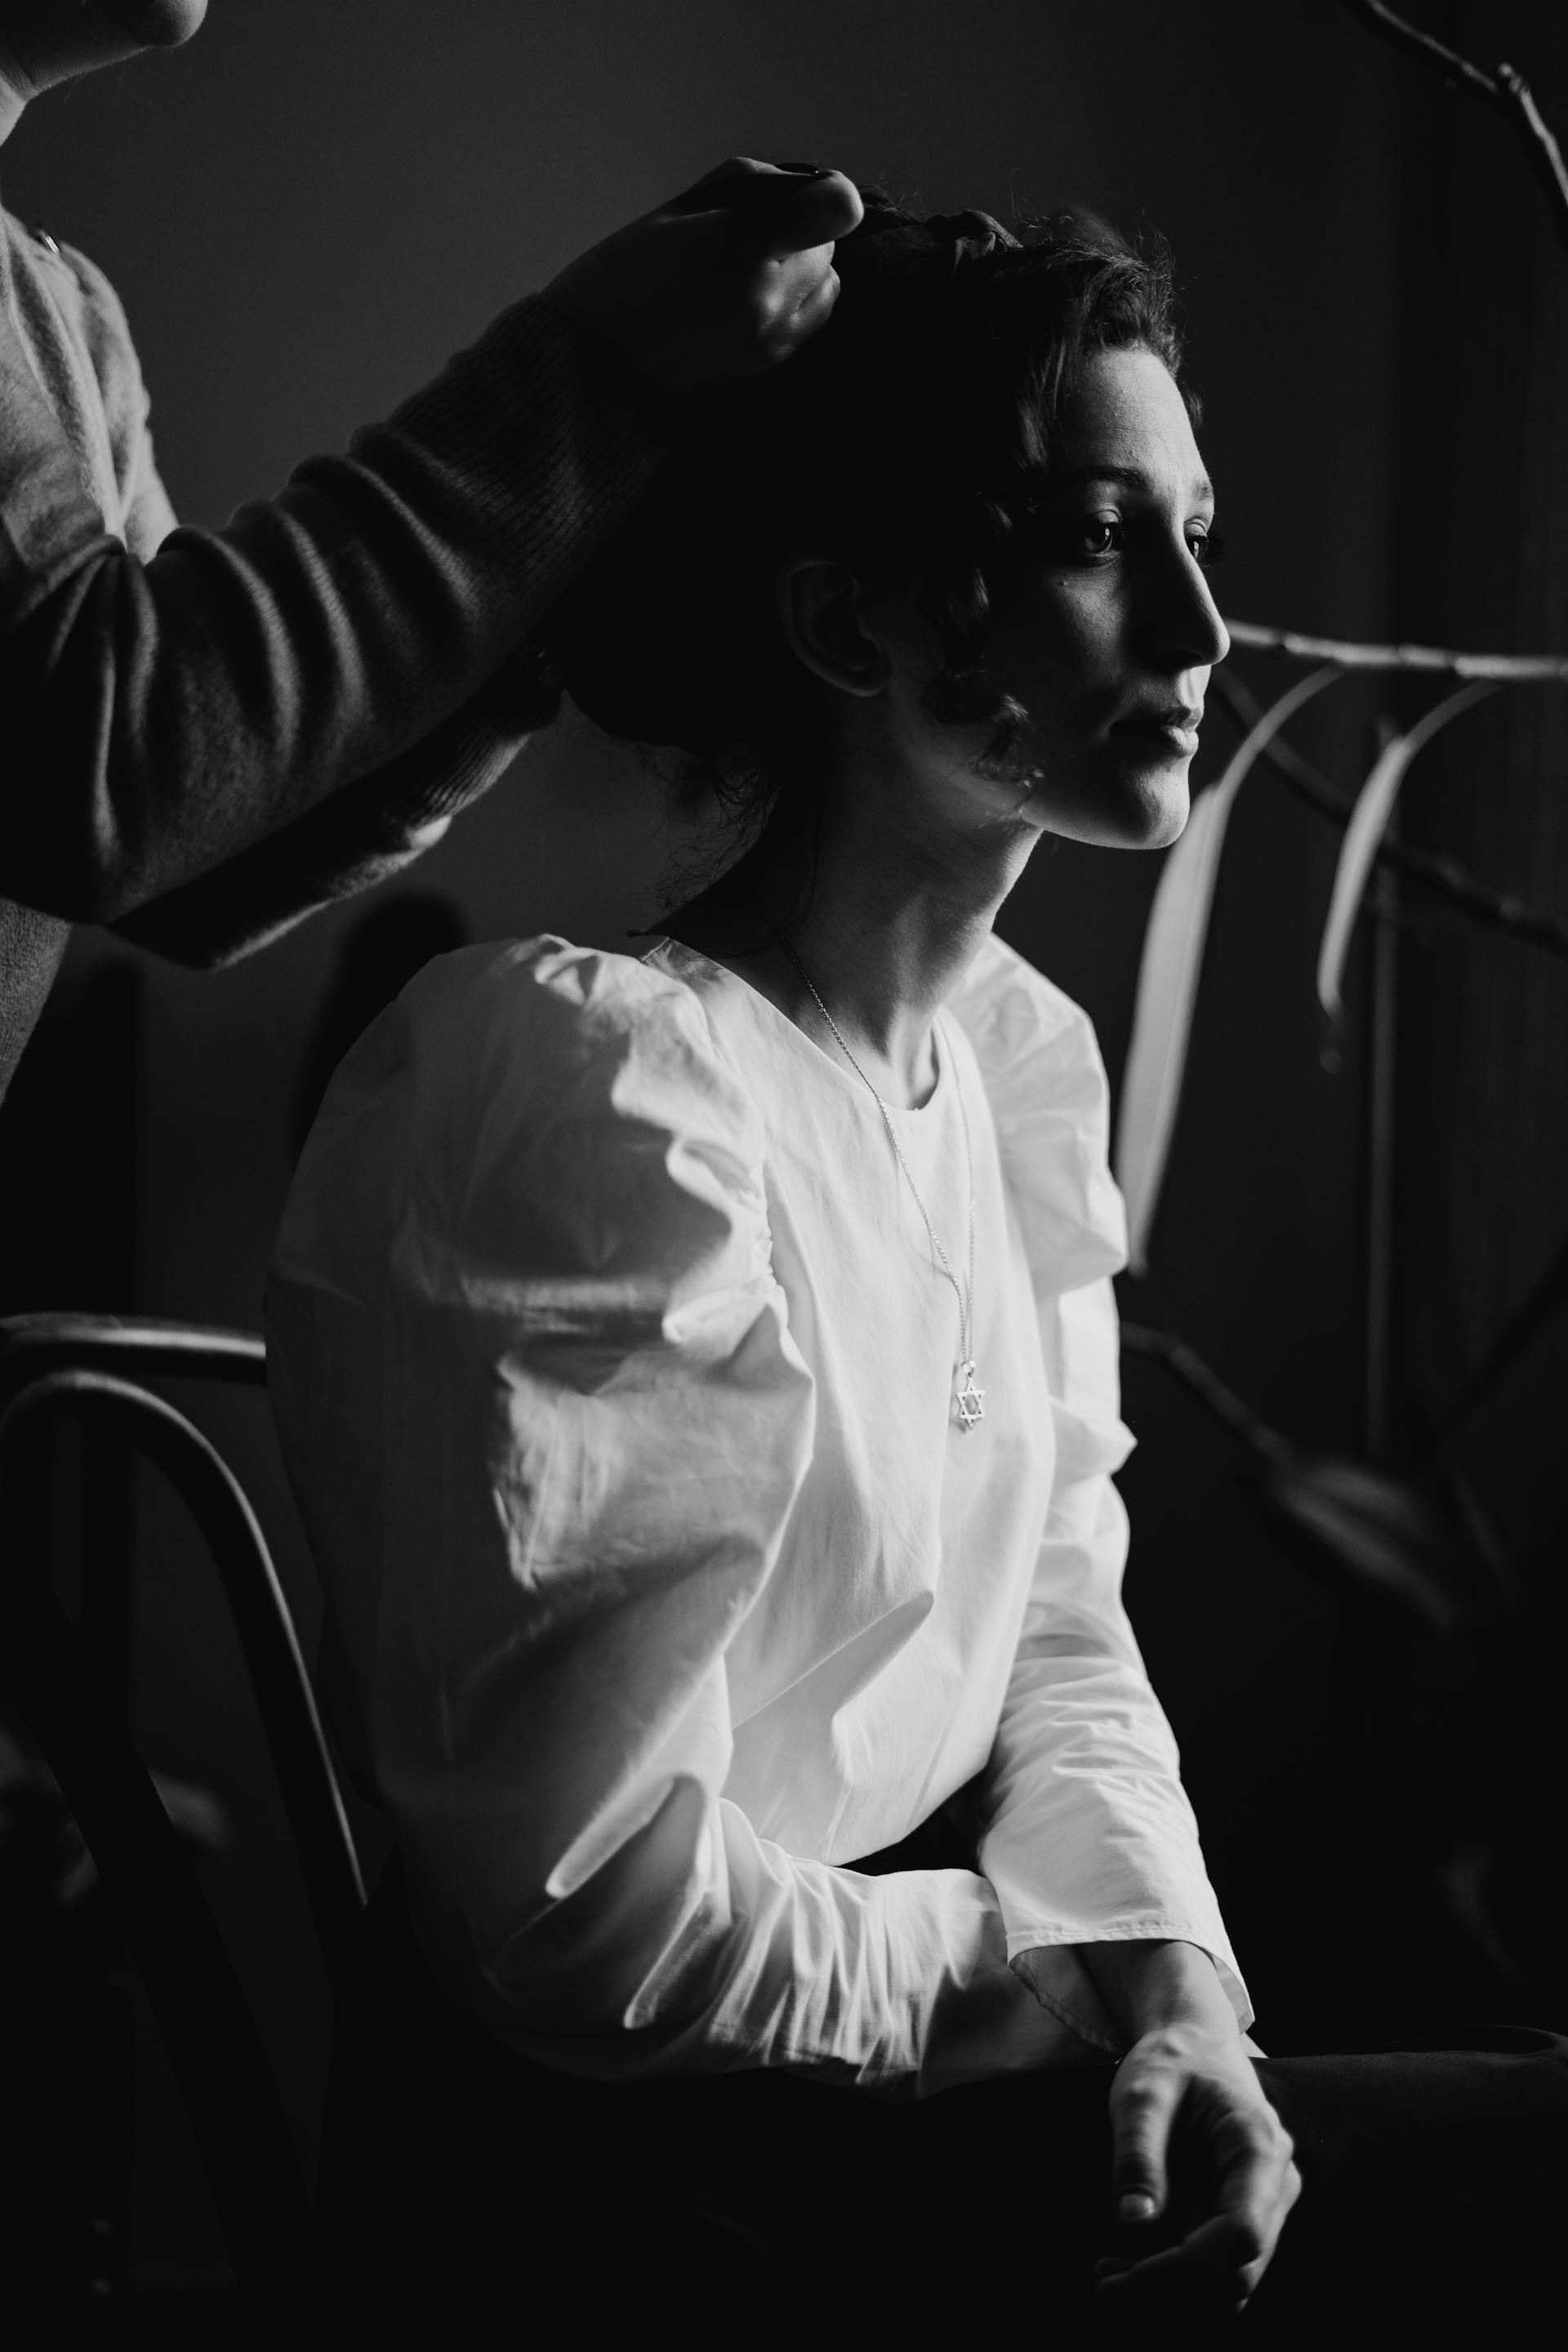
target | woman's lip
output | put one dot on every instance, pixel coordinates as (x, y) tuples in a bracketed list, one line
[(1183, 740)]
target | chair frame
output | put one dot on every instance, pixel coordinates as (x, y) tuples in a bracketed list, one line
[(73, 1365)]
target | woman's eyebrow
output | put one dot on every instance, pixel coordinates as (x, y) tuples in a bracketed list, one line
[(1129, 477)]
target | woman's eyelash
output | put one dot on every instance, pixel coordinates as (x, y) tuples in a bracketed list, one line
[(1208, 547)]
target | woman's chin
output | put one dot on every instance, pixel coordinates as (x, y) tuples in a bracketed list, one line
[(1147, 809), (1124, 797), (1167, 819), (155, 23), (1149, 799)]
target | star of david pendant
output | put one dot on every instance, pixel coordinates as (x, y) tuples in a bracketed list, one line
[(971, 1399)]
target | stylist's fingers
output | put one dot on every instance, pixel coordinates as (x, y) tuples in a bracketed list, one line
[(719, 284), (801, 277), (805, 214), (781, 209), (735, 182), (808, 310)]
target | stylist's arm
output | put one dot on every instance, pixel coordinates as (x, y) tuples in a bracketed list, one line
[(162, 715)]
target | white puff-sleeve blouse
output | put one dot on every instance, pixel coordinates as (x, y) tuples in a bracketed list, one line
[(614, 1378)]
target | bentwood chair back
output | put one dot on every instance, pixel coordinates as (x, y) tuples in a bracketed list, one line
[(91, 1367)]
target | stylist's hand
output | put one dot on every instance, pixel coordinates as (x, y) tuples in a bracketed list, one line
[(1201, 2173), (720, 283)]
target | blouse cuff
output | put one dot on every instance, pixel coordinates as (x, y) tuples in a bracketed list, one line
[(1047, 1960), (1061, 1983)]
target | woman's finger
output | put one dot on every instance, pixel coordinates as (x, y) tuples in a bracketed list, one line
[(1144, 2103), (1222, 2260), (1219, 2263), (1259, 2182)]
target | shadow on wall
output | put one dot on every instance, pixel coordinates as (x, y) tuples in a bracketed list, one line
[(377, 956)]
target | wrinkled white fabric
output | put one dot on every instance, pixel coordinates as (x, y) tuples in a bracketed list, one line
[(614, 1374)]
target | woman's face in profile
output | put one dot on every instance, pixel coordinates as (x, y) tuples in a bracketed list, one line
[(1109, 640)]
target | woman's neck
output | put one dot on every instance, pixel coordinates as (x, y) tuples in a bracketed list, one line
[(877, 911)]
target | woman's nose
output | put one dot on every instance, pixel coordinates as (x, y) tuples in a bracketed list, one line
[(1216, 636), (1186, 621)]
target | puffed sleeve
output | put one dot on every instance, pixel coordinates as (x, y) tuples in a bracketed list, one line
[(545, 1421), (1088, 1834)]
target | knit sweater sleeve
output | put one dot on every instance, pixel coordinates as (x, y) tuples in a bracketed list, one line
[(342, 660), (363, 833)]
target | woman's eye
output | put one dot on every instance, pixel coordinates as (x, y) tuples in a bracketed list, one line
[(1208, 547), (1100, 534)]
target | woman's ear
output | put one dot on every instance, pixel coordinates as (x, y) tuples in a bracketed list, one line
[(821, 608)]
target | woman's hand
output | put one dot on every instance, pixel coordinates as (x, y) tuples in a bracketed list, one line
[(720, 283), (1202, 2174)]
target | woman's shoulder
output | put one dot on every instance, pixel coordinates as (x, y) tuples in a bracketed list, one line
[(544, 1028), (1026, 1031), (531, 1072), (1050, 1103), (549, 1007)]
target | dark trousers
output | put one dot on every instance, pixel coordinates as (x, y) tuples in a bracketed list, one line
[(488, 2200)]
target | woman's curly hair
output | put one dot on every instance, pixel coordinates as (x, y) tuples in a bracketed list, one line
[(909, 439)]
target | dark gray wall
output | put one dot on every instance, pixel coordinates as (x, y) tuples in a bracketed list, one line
[(1482, 1173), (306, 210)]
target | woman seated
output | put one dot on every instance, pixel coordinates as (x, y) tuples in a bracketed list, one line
[(699, 1375)]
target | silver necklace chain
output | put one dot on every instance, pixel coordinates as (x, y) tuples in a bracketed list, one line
[(968, 1400)]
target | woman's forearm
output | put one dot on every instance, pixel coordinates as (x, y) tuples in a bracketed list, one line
[(1147, 1984)]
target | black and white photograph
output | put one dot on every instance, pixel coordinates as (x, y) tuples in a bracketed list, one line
[(784, 1173)]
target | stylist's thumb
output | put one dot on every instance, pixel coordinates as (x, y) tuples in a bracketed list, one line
[(780, 208), (1142, 2108), (801, 207)]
